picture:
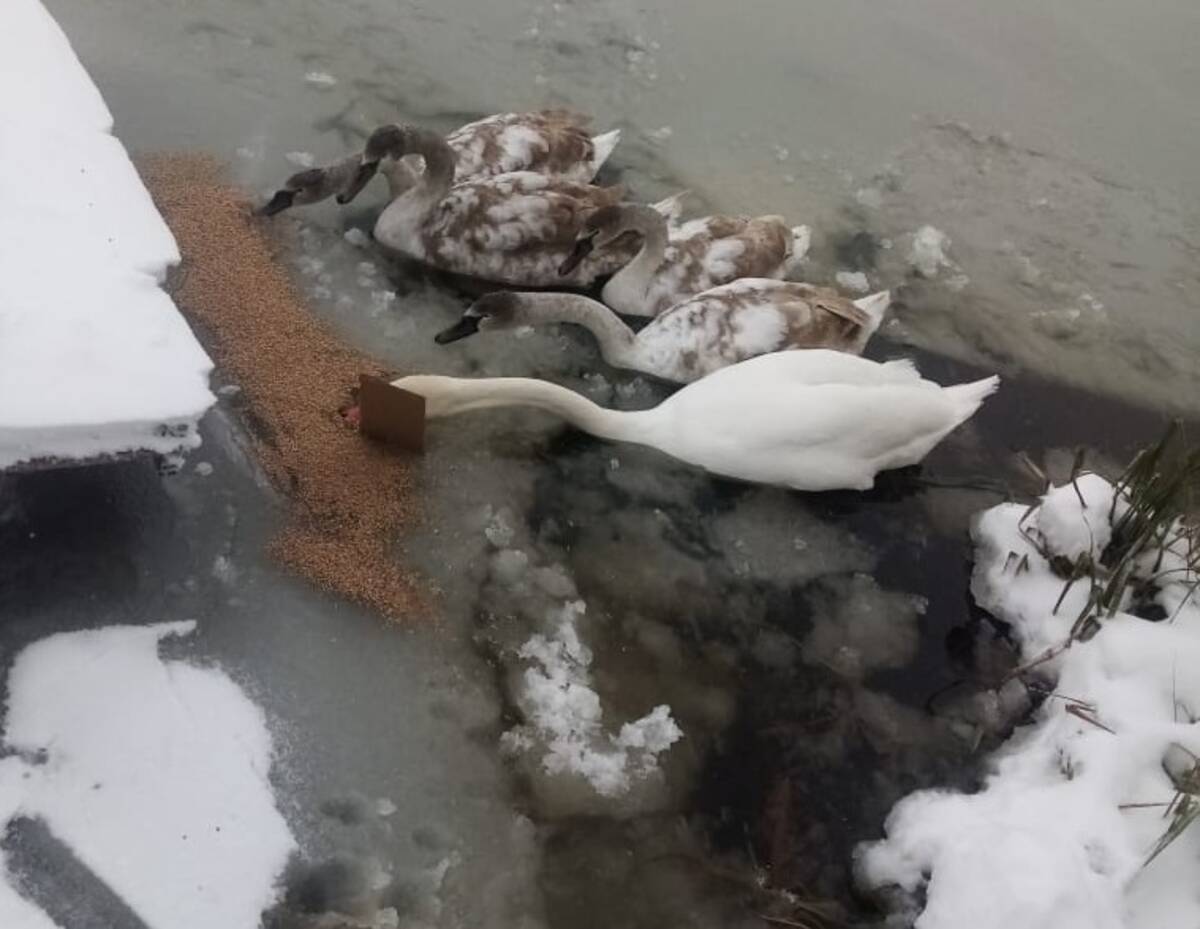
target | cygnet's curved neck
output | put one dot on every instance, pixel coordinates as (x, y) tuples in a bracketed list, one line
[(449, 396), (615, 338), (635, 277), (438, 176)]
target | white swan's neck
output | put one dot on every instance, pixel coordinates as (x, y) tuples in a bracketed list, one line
[(616, 339), (449, 396), (627, 288)]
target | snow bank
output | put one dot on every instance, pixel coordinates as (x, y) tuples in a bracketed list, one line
[(94, 357), (1053, 839), (155, 774)]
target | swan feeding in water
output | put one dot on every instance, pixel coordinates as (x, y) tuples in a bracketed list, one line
[(810, 420), (718, 328), (674, 264), (513, 228), (550, 142)]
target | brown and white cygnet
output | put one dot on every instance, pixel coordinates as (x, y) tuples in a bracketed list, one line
[(712, 330), (675, 263)]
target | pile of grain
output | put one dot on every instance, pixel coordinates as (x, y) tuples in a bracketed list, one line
[(350, 498)]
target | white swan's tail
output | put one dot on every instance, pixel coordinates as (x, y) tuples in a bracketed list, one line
[(671, 207), (968, 397), (602, 147)]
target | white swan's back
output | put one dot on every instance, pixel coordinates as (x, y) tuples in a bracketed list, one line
[(813, 420)]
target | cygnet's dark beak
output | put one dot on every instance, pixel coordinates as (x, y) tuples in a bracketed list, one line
[(278, 203), (583, 248), (468, 325), (362, 176)]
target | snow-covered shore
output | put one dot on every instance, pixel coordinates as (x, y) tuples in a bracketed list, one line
[(95, 359), (1065, 830)]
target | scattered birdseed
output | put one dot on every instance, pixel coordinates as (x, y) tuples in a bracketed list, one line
[(351, 499)]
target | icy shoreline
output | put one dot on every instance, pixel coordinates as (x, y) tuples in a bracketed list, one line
[(95, 360), (1065, 831)]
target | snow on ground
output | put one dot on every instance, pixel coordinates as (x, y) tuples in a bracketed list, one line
[(155, 774), (1052, 839), (94, 357)]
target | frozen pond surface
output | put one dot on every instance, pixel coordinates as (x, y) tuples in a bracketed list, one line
[(800, 641)]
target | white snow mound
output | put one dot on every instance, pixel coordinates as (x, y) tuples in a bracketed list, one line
[(1064, 830), (155, 775), (94, 357)]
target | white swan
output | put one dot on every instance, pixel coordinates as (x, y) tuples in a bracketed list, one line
[(718, 328), (513, 228), (676, 263), (550, 142), (813, 420)]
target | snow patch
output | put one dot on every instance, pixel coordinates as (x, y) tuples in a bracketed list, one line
[(565, 719), (1057, 836), (155, 773), (97, 361)]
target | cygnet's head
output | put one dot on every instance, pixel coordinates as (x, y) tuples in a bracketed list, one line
[(499, 310), (604, 227), (385, 142), (310, 186)]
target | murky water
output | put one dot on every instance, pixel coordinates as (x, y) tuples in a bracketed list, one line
[(801, 641)]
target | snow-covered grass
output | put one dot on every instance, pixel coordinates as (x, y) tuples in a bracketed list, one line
[(94, 357), (155, 774), (1069, 829)]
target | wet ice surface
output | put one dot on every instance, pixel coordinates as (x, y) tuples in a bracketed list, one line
[(804, 644)]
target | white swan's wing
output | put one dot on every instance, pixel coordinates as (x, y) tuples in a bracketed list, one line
[(810, 436), (816, 366)]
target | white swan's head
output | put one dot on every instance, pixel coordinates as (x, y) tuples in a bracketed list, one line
[(500, 310)]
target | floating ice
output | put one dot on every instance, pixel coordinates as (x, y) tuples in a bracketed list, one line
[(564, 715), (357, 238), (928, 252), (301, 159), (1057, 836), (853, 281), (859, 627)]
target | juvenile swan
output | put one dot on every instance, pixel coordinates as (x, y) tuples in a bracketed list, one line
[(513, 228), (814, 420), (674, 264), (711, 331), (551, 142)]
